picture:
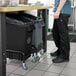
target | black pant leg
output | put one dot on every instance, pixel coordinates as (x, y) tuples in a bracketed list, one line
[(55, 33), (62, 23)]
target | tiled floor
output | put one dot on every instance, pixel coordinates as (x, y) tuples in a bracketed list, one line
[(45, 67)]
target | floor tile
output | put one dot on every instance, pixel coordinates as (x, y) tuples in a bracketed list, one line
[(73, 60), (50, 74), (57, 68), (7, 74), (11, 68), (69, 72), (62, 75), (13, 75), (20, 71), (47, 61), (35, 73), (72, 48), (41, 66), (71, 65), (31, 64), (71, 54), (60, 64), (47, 55), (74, 55)]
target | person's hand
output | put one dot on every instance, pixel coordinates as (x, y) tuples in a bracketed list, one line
[(56, 15)]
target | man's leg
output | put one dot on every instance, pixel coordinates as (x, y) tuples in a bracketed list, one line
[(56, 38), (64, 39), (64, 36)]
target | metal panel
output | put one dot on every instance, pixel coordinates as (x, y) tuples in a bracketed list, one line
[(2, 45)]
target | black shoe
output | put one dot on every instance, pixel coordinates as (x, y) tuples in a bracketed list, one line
[(54, 53), (60, 60)]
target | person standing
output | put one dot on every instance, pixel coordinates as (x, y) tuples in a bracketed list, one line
[(62, 12)]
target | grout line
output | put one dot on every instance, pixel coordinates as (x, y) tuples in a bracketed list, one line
[(63, 68), (46, 70), (32, 68), (66, 65), (14, 70), (53, 72), (17, 74), (8, 74)]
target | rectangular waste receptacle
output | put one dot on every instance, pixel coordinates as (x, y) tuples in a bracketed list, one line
[(19, 37), (37, 40)]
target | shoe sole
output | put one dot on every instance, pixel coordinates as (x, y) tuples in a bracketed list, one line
[(61, 61)]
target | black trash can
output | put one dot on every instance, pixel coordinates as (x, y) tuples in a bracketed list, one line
[(37, 40), (19, 37)]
